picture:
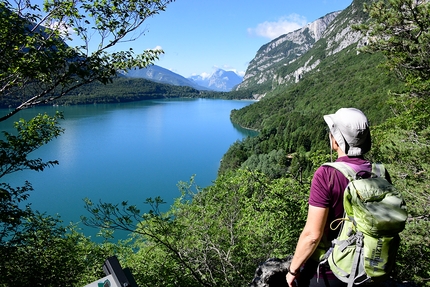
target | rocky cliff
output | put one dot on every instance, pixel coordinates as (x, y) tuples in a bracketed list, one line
[(283, 50), (288, 58)]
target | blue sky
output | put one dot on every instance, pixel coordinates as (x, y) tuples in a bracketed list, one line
[(198, 36)]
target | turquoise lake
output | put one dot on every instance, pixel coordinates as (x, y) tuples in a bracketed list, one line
[(128, 152)]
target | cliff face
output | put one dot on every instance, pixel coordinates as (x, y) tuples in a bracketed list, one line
[(288, 58), (283, 50)]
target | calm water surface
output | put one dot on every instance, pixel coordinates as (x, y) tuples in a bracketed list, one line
[(129, 152)]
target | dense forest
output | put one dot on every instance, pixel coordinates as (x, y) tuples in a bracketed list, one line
[(290, 118), (256, 208), (123, 90)]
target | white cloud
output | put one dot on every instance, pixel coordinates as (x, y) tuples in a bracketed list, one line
[(205, 75), (228, 68), (64, 30), (157, 48), (284, 25)]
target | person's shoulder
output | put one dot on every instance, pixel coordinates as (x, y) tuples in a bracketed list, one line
[(323, 170)]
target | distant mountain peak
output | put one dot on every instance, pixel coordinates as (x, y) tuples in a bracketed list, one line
[(219, 80)]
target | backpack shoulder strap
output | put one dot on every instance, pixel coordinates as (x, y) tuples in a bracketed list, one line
[(344, 168), (378, 169)]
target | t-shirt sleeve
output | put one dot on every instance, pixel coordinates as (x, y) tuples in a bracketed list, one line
[(320, 188)]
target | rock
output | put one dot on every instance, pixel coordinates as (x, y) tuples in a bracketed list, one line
[(271, 273)]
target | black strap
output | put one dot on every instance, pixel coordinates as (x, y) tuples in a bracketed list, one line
[(324, 274)]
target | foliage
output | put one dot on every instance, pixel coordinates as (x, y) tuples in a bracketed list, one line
[(398, 110), (211, 237), (412, 259), (257, 206), (125, 90), (273, 164), (39, 66), (43, 253), (232, 95), (291, 118), (31, 135), (400, 30), (14, 156)]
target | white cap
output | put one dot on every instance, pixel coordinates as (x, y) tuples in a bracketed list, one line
[(350, 129)]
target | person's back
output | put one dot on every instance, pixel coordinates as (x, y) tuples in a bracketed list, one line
[(328, 186), (365, 249), (350, 138)]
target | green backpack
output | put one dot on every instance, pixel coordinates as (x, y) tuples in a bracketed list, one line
[(375, 214)]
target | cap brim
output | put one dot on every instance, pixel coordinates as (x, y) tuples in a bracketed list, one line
[(334, 130), (329, 121)]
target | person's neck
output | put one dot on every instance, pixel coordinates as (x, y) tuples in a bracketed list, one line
[(340, 153), (343, 155)]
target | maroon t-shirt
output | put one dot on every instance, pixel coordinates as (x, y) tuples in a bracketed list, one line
[(328, 185)]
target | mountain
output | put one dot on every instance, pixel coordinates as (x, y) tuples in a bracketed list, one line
[(288, 58), (283, 51), (161, 75), (308, 73), (220, 80)]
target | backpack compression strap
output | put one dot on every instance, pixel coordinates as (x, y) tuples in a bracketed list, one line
[(378, 170)]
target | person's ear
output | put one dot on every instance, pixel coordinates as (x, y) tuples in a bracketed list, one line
[(334, 144)]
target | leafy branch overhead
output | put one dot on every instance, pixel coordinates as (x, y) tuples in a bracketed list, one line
[(38, 66), (31, 135), (400, 31)]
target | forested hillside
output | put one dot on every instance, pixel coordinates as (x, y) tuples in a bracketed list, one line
[(387, 79), (120, 90), (123, 90), (290, 117)]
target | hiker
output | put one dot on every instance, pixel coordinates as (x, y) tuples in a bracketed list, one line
[(350, 138)]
